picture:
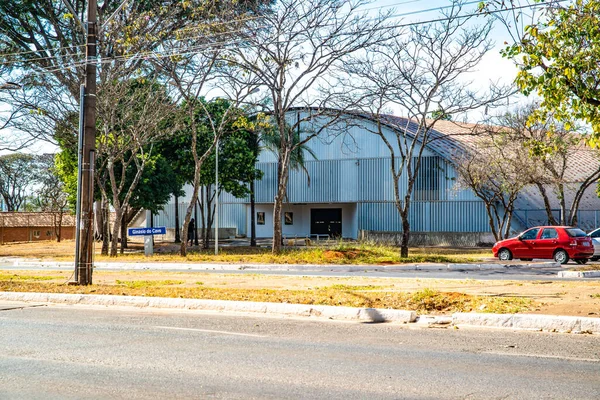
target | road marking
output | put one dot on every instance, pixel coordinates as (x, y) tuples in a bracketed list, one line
[(209, 331), (499, 353)]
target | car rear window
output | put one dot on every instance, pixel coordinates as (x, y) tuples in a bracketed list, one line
[(574, 232)]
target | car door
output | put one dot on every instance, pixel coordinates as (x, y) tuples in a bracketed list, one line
[(526, 245), (547, 243), (595, 235)]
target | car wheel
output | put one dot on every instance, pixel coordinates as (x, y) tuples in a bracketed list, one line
[(581, 261), (595, 258), (505, 255), (561, 257), (526, 259)]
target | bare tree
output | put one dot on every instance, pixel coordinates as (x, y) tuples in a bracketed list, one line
[(17, 173), (423, 75), (496, 169), (567, 166), (51, 196), (292, 52)]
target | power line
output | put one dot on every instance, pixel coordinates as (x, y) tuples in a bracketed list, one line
[(198, 48), (235, 31)]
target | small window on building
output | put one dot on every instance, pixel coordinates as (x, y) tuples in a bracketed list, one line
[(427, 179), (260, 218), (289, 218), (48, 233), (36, 234)]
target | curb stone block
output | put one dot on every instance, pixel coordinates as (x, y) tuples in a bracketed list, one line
[(546, 322), (463, 267), (578, 274), (493, 266), (431, 267), (590, 325), (481, 319), (332, 312), (544, 265)]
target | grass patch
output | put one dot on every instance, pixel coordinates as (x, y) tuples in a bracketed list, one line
[(144, 284), (595, 296), (326, 253), (424, 301), (26, 278), (353, 287)]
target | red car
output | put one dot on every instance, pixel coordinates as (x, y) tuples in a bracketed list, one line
[(560, 243)]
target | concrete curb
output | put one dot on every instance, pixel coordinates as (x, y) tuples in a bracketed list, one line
[(288, 267), (301, 310), (535, 322), (579, 274)]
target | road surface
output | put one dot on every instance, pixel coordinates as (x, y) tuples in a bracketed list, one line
[(70, 352)]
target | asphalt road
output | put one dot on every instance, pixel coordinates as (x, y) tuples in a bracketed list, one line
[(62, 352), (520, 273)]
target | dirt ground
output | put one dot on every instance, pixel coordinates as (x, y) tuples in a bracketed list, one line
[(576, 298)]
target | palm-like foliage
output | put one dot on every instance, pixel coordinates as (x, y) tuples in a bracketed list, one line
[(271, 141)]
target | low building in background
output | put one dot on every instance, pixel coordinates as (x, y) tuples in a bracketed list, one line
[(35, 226)]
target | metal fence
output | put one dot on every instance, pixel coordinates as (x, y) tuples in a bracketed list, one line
[(586, 219)]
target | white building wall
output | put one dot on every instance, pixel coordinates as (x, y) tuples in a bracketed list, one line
[(301, 225)]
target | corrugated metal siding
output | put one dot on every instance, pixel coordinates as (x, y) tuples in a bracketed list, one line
[(233, 216), (266, 187), (355, 180), (343, 140), (442, 216)]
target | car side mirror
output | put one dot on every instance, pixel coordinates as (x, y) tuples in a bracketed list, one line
[(520, 237)]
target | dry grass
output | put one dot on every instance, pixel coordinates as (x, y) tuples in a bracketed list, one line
[(425, 300), (333, 253)]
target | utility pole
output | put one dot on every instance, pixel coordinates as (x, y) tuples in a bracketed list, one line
[(85, 225)]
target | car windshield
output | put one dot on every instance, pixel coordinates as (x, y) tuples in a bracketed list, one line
[(574, 232)]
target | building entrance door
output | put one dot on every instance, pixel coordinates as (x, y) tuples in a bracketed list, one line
[(326, 221)]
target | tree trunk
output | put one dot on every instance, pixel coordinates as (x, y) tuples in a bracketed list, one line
[(279, 198), (563, 206), (252, 215), (177, 235), (106, 227), (59, 226), (195, 224), (98, 220), (405, 234), (547, 206), (115, 233), (202, 206), (124, 232)]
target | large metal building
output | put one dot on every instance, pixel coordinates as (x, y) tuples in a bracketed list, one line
[(349, 191)]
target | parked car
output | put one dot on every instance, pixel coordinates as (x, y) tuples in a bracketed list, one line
[(595, 235), (560, 243)]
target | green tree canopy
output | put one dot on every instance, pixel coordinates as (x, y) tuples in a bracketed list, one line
[(559, 60)]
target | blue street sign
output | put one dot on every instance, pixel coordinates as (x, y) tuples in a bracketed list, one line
[(159, 230)]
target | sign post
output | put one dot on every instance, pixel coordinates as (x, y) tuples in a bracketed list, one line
[(147, 233)]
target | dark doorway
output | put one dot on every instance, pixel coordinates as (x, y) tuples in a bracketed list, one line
[(326, 221)]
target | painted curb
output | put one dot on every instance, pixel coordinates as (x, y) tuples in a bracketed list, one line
[(579, 274), (302, 310), (537, 322)]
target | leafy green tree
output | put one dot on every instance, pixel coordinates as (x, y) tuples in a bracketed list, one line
[(557, 56), (237, 157)]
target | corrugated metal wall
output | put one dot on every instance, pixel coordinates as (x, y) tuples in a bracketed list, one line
[(441, 216), (437, 205)]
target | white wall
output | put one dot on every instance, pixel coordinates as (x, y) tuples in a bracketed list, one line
[(301, 226)]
